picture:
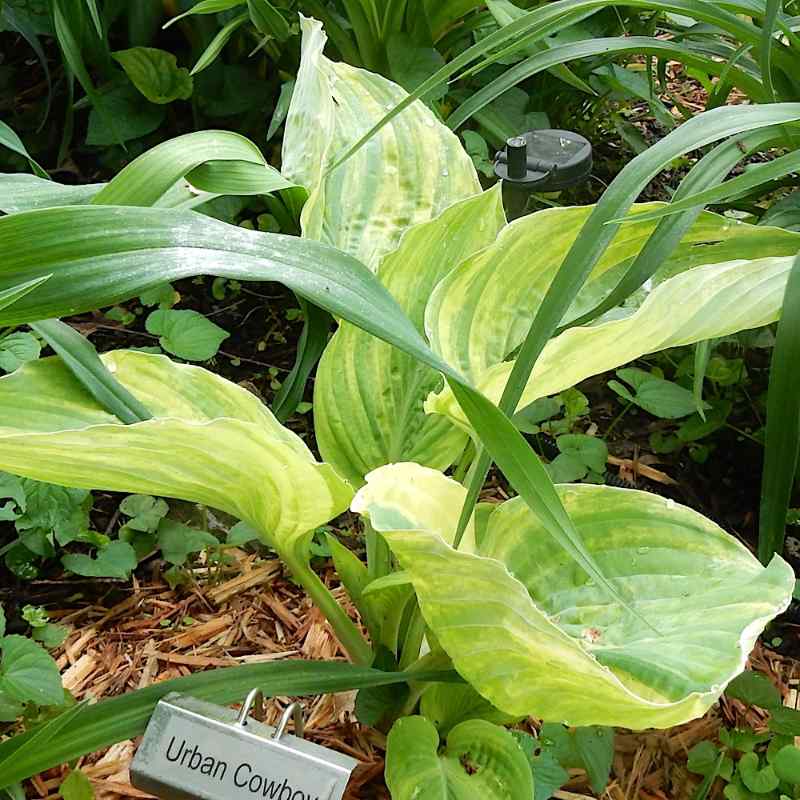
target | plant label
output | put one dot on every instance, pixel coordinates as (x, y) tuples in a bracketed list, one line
[(194, 749)]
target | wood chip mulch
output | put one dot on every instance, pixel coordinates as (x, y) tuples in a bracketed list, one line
[(252, 612)]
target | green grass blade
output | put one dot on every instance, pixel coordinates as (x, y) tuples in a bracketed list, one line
[(9, 139), (702, 353), (80, 356), (549, 19), (753, 178), (709, 171), (218, 42), (783, 425), (10, 296), (639, 45), (206, 7), (95, 15), (42, 736), (65, 11), (110, 721), (768, 43), (313, 341)]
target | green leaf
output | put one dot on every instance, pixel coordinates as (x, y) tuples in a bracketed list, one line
[(76, 786), (745, 741), (758, 779), (241, 533), (14, 293), (51, 635), (548, 774), (117, 560), (566, 468), (660, 397), (134, 117), (178, 542), (702, 303), (481, 761), (268, 20), (186, 334), (145, 512), (55, 509), (408, 175), (10, 710), (207, 7), (156, 74), (218, 42), (20, 192), (28, 674), (281, 108), (87, 728), (785, 721), (574, 657), (703, 759), (359, 429), (163, 296), (12, 490), (782, 441), (787, 764), (80, 356), (410, 64), (154, 178), (591, 451), (448, 705), (587, 748), (755, 690), (9, 139), (251, 466)]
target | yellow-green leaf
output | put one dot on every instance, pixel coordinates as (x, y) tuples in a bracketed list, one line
[(535, 635), (408, 173), (210, 442)]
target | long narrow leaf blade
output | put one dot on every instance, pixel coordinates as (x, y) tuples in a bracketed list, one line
[(10, 296), (80, 356), (110, 721), (783, 424)]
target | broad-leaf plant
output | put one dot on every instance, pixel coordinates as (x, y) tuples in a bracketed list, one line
[(587, 605)]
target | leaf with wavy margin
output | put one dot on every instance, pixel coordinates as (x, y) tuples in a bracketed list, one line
[(534, 635)]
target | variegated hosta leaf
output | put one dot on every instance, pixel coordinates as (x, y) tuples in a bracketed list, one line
[(408, 496), (210, 442), (480, 762), (408, 173), (368, 396), (480, 313), (534, 635), (704, 303)]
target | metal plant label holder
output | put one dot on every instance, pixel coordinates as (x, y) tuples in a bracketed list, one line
[(194, 749)]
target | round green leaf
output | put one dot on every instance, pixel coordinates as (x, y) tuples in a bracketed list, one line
[(480, 762), (156, 74), (757, 780), (28, 674), (787, 764), (186, 334)]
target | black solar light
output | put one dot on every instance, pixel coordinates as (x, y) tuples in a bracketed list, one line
[(543, 161)]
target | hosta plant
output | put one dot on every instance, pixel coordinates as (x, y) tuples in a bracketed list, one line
[(588, 605)]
